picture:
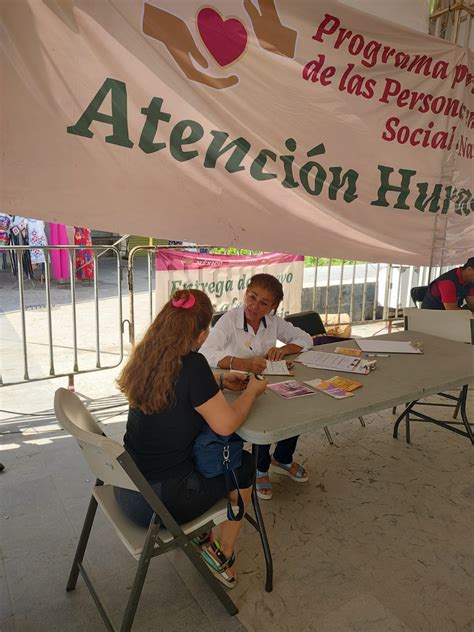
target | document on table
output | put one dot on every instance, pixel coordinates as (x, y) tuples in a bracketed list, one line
[(373, 345), (333, 361), (276, 367), (290, 389)]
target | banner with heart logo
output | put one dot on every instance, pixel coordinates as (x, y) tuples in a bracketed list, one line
[(282, 125)]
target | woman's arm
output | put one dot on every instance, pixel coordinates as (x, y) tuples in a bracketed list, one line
[(216, 342), (296, 340), (226, 418), (215, 349), (232, 381), (255, 364), (278, 353), (293, 336)]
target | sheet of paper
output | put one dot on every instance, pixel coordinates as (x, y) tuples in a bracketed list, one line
[(333, 361), (373, 345), (276, 367)]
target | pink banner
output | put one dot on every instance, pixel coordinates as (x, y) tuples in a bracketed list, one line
[(183, 260), (224, 278)]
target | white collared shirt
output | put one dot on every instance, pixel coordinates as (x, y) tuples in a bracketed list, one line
[(232, 336)]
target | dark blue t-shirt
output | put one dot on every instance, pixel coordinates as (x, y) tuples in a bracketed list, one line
[(161, 444)]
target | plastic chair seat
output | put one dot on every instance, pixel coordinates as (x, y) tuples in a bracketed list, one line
[(133, 536)]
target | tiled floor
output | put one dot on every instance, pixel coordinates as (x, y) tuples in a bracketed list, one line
[(379, 540)]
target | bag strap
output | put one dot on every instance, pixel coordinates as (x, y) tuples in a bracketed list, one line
[(230, 475)]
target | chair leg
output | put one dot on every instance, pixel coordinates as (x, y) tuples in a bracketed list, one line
[(81, 545), (137, 587), (362, 422), (328, 435)]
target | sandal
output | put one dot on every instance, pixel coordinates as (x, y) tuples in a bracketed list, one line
[(204, 540), (300, 475), (263, 486), (218, 563)]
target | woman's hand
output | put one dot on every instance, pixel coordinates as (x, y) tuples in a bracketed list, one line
[(256, 365), (257, 386), (276, 353), (234, 381)]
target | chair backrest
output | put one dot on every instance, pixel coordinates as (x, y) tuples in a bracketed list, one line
[(309, 321), (101, 453), (418, 293), (77, 411), (216, 317), (456, 324)]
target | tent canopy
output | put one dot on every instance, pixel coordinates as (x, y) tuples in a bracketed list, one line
[(286, 125)]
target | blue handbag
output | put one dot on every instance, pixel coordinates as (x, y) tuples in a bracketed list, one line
[(214, 455)]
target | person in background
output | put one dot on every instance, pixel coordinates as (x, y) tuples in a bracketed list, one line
[(451, 289), (244, 338), (85, 256), (172, 394)]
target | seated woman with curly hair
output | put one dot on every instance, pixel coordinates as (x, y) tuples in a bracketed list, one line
[(172, 394)]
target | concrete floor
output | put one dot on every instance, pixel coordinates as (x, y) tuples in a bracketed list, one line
[(379, 540)]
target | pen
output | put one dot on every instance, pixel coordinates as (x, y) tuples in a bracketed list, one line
[(378, 355)]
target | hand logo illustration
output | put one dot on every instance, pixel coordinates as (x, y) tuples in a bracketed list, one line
[(270, 32), (225, 39)]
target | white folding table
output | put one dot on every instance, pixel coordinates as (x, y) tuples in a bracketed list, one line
[(398, 379)]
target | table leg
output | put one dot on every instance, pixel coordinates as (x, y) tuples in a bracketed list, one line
[(261, 529), (467, 425), (405, 413), (412, 414)]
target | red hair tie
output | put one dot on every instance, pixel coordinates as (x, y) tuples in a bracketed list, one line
[(183, 302)]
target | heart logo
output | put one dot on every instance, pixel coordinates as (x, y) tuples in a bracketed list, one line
[(224, 39)]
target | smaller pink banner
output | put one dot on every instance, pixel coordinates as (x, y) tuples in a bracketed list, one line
[(183, 260)]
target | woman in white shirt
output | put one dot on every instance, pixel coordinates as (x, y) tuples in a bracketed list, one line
[(244, 338)]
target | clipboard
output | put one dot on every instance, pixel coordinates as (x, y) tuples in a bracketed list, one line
[(374, 345)]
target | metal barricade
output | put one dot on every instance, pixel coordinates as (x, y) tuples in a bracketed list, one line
[(53, 340), (364, 291)]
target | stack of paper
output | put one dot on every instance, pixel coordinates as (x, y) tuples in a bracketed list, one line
[(328, 387), (334, 362), (276, 367), (290, 389), (345, 383)]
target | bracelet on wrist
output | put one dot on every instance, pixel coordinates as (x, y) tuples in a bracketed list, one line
[(221, 382), (230, 362)]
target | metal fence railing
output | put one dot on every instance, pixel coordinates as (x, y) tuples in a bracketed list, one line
[(338, 290), (341, 291), (361, 292), (17, 355)]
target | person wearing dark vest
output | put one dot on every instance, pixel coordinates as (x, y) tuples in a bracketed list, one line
[(451, 289)]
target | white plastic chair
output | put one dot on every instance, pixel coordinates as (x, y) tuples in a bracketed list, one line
[(113, 466)]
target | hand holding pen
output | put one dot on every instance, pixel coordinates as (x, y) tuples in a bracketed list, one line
[(257, 364)]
